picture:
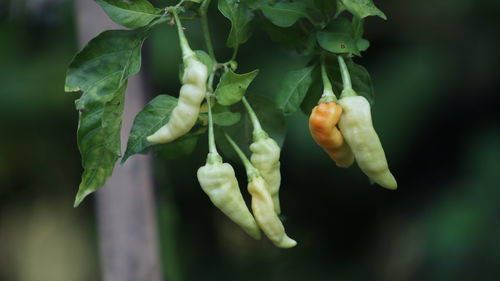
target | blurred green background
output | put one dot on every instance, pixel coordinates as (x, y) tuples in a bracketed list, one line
[(433, 64)]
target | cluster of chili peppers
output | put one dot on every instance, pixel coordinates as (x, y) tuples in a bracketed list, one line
[(342, 127), (218, 179)]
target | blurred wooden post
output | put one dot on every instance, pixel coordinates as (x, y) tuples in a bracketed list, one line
[(127, 225)]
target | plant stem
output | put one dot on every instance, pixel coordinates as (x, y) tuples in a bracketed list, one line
[(251, 170), (258, 132), (186, 50), (235, 53), (206, 30), (328, 94), (346, 78), (213, 156), (211, 140), (211, 81), (179, 4), (161, 19)]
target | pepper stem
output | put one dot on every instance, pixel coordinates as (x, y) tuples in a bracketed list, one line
[(346, 79), (258, 132), (213, 155), (251, 170), (328, 94), (186, 50), (206, 29)]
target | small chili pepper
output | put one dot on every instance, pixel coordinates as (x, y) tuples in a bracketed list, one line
[(262, 204), (219, 182), (323, 125), (265, 157)]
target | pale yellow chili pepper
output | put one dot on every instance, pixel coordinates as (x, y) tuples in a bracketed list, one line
[(192, 93), (262, 204), (357, 127)]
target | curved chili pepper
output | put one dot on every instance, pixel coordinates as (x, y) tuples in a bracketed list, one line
[(219, 182), (192, 93), (322, 124), (262, 204), (357, 127)]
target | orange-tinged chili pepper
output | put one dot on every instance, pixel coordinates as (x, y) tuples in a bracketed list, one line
[(323, 126)]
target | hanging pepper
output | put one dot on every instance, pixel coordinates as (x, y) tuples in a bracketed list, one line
[(192, 93), (265, 157), (262, 204), (219, 182), (357, 127), (322, 125)]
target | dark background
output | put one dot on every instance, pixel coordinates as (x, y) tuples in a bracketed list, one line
[(433, 64)]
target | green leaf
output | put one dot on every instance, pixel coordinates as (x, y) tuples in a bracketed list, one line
[(293, 89), (206, 60), (183, 146), (131, 14), (357, 33), (363, 8), (358, 28), (232, 86), (327, 7), (257, 4), (292, 37), (112, 121), (338, 38), (195, 1), (337, 43), (104, 65), (361, 80), (362, 45), (340, 8), (308, 46), (240, 16), (98, 139), (151, 118), (223, 116), (314, 93), (285, 14), (270, 117), (341, 25), (101, 71)]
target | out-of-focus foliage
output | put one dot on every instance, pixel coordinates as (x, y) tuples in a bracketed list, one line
[(433, 66), (41, 236)]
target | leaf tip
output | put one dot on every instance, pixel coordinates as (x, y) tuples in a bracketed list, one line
[(124, 159), (80, 196), (380, 14), (69, 89)]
